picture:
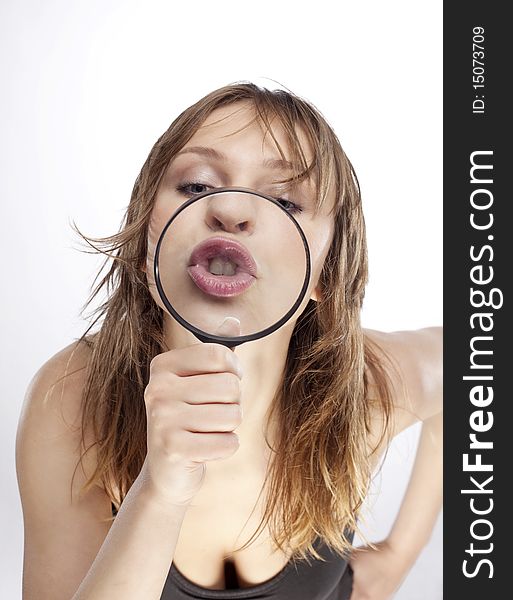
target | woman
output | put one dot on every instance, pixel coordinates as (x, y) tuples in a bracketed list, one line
[(141, 417)]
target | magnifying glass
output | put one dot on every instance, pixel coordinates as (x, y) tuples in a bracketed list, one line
[(232, 254)]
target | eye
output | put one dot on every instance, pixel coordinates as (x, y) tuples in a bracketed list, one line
[(289, 206), (191, 188)]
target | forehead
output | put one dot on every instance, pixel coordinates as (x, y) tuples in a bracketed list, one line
[(238, 122), (238, 134)]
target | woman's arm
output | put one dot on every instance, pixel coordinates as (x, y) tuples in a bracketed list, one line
[(419, 354), (423, 498), (69, 553), (135, 558), (418, 395)]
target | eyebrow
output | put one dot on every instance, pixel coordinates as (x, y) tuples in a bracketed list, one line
[(270, 163)]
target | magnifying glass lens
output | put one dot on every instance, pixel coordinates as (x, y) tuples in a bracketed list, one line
[(232, 253)]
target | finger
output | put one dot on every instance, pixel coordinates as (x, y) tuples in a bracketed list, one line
[(207, 446), (229, 328), (209, 388), (211, 418), (196, 359)]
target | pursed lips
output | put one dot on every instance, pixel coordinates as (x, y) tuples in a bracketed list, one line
[(223, 256)]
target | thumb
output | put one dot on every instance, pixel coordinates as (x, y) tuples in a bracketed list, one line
[(230, 327)]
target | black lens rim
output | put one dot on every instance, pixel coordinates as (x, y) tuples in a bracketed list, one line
[(230, 342)]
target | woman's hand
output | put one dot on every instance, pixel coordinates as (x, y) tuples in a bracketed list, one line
[(192, 407), (378, 574)]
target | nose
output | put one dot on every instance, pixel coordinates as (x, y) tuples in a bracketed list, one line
[(232, 212)]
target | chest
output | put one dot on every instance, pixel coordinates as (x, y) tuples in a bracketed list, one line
[(223, 517)]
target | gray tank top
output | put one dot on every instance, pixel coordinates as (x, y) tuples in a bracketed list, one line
[(331, 579)]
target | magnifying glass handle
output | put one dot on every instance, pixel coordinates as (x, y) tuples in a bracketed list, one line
[(228, 343)]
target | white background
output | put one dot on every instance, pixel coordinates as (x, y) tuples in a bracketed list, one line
[(89, 86)]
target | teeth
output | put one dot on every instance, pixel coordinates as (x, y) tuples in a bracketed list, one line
[(221, 266)]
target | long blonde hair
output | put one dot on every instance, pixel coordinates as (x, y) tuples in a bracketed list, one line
[(319, 473)]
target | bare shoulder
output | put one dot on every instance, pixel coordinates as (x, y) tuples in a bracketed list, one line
[(415, 371), (63, 530), (55, 390)]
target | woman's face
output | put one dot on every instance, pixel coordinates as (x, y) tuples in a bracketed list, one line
[(227, 152)]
